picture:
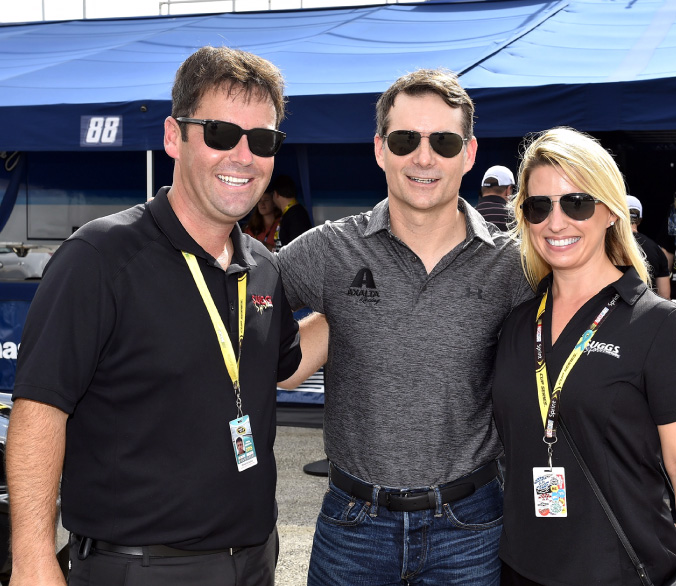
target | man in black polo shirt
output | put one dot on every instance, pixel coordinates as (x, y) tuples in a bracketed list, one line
[(155, 340), (656, 259), (295, 219)]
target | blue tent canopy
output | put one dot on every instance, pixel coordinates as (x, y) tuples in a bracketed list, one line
[(529, 64)]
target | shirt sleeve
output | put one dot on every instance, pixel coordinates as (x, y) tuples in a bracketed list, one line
[(68, 323), (289, 343), (302, 264), (662, 268), (520, 287), (660, 372)]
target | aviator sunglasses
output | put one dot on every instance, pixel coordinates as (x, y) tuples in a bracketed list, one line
[(404, 142), (224, 136), (577, 206)]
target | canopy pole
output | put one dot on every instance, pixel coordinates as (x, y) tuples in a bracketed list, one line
[(304, 172), (150, 192)]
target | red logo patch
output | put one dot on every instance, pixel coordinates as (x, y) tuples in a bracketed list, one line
[(262, 302)]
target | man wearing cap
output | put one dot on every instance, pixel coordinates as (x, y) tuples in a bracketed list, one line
[(497, 187), (655, 257)]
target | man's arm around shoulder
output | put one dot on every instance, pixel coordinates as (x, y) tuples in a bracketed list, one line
[(36, 442), (314, 344)]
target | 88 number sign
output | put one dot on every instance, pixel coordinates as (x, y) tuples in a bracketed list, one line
[(100, 131)]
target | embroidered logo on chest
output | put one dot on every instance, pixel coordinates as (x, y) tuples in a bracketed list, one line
[(262, 302), (610, 349), (363, 287)]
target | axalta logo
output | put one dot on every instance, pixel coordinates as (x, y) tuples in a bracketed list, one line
[(610, 349), (262, 302), (9, 350), (364, 287)]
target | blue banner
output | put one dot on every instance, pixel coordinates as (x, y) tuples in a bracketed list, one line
[(15, 299)]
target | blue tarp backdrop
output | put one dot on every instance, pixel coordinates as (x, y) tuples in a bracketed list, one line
[(104, 85), (529, 64)]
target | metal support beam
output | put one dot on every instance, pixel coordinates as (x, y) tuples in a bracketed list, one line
[(150, 171)]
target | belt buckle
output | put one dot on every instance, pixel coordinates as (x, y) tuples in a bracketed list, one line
[(388, 499), (397, 499)]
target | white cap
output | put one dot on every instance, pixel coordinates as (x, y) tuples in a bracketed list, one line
[(502, 174), (633, 203)]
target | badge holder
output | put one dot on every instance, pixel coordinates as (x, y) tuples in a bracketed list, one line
[(242, 442), (549, 483), (549, 488), (240, 428)]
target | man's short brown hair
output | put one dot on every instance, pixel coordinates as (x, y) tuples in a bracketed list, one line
[(232, 70), (441, 82)]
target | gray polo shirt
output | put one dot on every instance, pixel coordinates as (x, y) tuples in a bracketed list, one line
[(411, 354)]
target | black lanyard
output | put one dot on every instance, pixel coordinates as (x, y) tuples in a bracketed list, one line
[(550, 402)]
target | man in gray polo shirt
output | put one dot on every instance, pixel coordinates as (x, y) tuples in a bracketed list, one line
[(414, 293)]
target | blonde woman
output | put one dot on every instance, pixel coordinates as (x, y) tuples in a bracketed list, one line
[(588, 362)]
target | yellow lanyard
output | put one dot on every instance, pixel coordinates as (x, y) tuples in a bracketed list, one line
[(549, 405), (292, 203), (231, 363)]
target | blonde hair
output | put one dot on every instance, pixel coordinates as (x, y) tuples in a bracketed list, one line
[(592, 170)]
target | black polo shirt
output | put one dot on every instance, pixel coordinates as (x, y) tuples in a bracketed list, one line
[(119, 338), (658, 264), (620, 390), (293, 223)]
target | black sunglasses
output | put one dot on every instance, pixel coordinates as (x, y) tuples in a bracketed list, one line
[(224, 136), (404, 142), (577, 206)]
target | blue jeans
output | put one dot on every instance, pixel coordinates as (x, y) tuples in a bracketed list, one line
[(358, 544)]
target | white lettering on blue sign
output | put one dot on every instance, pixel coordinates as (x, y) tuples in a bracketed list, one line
[(101, 131), (9, 350)]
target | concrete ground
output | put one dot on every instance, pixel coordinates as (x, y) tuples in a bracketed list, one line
[(299, 498)]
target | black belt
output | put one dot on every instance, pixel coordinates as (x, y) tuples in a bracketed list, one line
[(155, 551), (416, 500)]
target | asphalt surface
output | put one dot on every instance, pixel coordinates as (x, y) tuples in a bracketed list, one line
[(299, 497)]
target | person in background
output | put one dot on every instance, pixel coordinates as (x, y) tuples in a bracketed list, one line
[(587, 362), (295, 219), (263, 220), (656, 260), (667, 241), (415, 293), (497, 188), (145, 354)]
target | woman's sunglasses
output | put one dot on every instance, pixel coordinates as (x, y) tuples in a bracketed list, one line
[(224, 136), (577, 206), (404, 142)]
